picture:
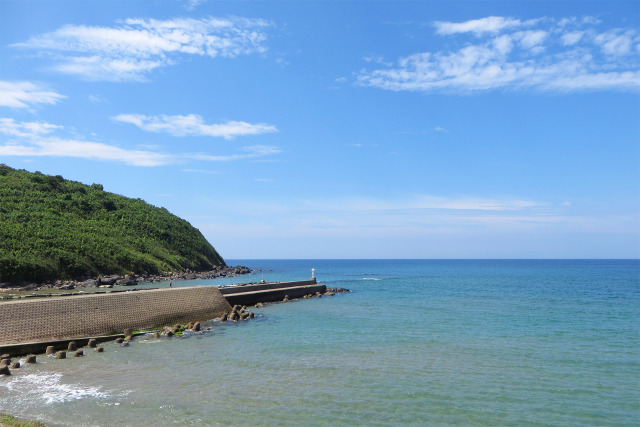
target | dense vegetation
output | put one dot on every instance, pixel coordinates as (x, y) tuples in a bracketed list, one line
[(52, 228)]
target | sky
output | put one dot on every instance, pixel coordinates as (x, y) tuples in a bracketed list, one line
[(341, 129)]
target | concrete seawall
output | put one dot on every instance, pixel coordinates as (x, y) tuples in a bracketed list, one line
[(60, 318), (270, 292), (28, 326)]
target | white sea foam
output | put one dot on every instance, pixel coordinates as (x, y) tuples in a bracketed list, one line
[(371, 278), (49, 388)]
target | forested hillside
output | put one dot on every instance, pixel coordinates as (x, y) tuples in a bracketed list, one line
[(52, 228)]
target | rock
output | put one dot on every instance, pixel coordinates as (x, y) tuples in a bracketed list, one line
[(72, 346), (61, 354), (119, 340), (196, 327), (92, 343), (4, 362), (99, 349), (124, 344), (252, 315), (126, 281), (15, 365), (50, 350), (244, 316), (30, 359), (4, 370), (190, 325), (78, 353), (107, 280), (224, 317), (169, 333), (156, 334)]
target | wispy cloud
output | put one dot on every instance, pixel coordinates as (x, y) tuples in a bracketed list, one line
[(38, 139), (34, 140), (491, 24), (134, 48), (250, 152), (506, 53), (193, 125), (26, 94)]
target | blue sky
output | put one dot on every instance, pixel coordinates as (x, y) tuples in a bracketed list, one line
[(341, 129)]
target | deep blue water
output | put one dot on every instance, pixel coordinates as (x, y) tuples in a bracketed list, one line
[(417, 342)]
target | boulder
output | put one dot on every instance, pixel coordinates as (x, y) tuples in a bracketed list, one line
[(4, 370), (72, 346), (92, 343), (99, 349), (50, 350), (61, 354), (108, 280), (30, 358), (15, 365), (196, 327), (78, 353)]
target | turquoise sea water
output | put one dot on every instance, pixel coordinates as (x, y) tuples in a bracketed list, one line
[(436, 342)]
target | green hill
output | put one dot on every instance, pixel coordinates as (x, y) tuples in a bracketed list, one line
[(52, 228)]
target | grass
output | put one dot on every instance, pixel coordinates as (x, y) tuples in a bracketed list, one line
[(11, 421)]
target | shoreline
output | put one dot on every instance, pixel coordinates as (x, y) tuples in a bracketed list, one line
[(104, 281)]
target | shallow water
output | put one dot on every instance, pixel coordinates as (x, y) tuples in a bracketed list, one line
[(417, 342)]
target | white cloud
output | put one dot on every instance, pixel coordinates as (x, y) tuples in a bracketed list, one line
[(57, 147), (572, 38), (613, 43), (250, 152), (136, 47), (549, 56), (491, 24), (193, 125), (33, 139), (26, 94), (531, 39), (25, 129)]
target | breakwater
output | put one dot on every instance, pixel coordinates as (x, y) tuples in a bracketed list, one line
[(75, 317), (30, 325), (254, 293)]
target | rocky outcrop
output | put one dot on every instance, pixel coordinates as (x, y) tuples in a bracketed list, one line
[(130, 279)]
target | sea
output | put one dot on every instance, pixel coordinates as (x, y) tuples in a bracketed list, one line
[(416, 343)]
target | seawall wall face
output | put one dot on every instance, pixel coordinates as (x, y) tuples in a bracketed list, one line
[(250, 287), (271, 295), (83, 316)]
